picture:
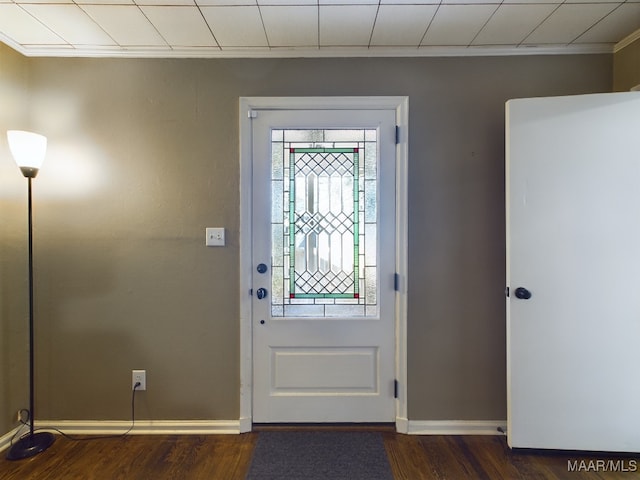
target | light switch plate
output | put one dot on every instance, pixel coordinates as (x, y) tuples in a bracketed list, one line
[(215, 237)]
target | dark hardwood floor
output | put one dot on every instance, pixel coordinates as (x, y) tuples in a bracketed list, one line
[(227, 457)]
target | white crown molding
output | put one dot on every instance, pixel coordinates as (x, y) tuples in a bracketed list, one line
[(625, 42), (322, 52), (456, 427)]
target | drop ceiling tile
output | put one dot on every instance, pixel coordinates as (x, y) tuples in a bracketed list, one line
[(346, 25), (126, 24), (529, 2), (568, 22), (223, 3), (265, 26), (70, 23), (236, 26), (43, 1), (457, 24), (402, 24), (180, 25), (17, 25), (166, 3), (226, 3), (105, 2), (620, 23), (347, 2), (253, 3), (471, 2), (283, 2), (595, 1), (511, 24), (291, 26), (410, 2)]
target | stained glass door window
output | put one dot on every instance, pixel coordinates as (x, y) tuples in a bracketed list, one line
[(324, 187)]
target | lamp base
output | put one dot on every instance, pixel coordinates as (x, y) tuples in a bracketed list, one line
[(30, 445)]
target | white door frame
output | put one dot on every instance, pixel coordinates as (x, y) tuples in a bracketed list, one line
[(247, 105)]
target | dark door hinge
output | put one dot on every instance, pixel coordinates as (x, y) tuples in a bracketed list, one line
[(396, 282), (397, 134), (506, 291), (395, 388)]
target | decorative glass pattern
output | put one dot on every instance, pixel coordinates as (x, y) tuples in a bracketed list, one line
[(324, 223)]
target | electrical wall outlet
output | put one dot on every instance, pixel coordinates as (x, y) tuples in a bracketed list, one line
[(139, 376)]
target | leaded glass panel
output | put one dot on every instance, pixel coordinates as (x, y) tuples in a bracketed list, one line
[(324, 188)]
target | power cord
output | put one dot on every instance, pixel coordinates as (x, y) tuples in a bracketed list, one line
[(21, 412), (75, 438)]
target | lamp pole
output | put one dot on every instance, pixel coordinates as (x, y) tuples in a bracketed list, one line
[(32, 443), (31, 325)]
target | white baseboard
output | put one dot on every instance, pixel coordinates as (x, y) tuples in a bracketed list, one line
[(209, 427), (402, 425), (455, 427), (142, 427), (245, 424), (5, 440)]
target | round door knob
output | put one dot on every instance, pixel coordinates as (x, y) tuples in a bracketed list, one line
[(261, 322), (522, 293), (261, 293), (262, 268)]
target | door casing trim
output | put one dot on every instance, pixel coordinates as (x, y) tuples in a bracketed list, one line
[(400, 104)]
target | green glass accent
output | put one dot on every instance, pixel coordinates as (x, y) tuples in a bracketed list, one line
[(325, 150), (356, 223), (292, 222), (313, 163), (324, 295)]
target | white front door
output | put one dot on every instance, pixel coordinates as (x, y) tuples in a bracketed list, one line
[(573, 242), (323, 249)]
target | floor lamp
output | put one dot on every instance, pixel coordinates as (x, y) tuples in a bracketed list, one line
[(28, 150)]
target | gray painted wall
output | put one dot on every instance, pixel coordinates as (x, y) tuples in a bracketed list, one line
[(626, 67), (144, 155), (13, 243)]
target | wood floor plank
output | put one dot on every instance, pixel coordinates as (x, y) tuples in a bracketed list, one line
[(227, 457), (407, 459), (138, 457), (491, 455)]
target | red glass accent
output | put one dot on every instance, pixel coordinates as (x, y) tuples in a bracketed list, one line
[(356, 295), (292, 295)]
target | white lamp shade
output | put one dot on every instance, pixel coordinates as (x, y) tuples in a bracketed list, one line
[(28, 148)]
